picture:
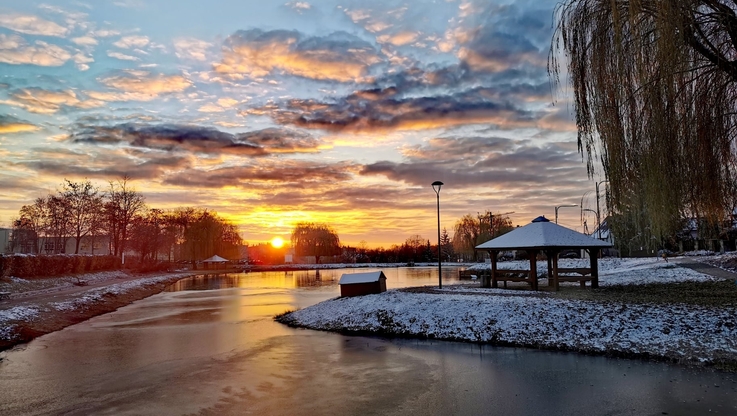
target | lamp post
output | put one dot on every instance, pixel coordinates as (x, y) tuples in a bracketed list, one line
[(562, 206), (598, 219), (436, 187)]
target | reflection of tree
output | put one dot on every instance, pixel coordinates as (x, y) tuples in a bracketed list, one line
[(315, 239)]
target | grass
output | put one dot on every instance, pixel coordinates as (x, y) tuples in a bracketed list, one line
[(717, 294)]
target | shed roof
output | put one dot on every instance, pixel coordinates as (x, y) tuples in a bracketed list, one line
[(542, 235), (215, 259), (367, 277)]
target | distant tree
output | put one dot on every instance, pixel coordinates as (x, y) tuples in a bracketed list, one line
[(146, 234), (414, 248), (122, 205), (29, 226), (446, 246), (315, 239), (57, 227), (206, 234), (84, 206), (465, 237)]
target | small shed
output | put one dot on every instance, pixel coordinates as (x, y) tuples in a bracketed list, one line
[(359, 284), (215, 262)]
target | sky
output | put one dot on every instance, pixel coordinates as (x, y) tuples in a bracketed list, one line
[(273, 113)]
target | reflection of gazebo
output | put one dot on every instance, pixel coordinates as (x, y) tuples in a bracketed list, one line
[(541, 235), (216, 260)]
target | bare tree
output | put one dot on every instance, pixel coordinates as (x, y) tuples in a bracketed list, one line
[(84, 206), (122, 205)]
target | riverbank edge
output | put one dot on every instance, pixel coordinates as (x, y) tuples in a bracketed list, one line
[(723, 364), (50, 320)]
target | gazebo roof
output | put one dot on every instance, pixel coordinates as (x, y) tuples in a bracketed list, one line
[(215, 259), (542, 234)]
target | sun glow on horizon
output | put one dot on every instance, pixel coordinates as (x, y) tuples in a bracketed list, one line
[(277, 242)]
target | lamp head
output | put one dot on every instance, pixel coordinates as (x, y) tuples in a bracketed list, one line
[(436, 186)]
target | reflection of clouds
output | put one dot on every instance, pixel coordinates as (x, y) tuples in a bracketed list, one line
[(255, 53)]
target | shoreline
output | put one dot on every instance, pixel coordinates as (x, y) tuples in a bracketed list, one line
[(683, 334)]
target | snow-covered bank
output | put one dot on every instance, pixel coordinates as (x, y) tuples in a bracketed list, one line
[(678, 332)]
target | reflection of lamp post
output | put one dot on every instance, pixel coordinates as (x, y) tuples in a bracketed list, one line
[(598, 218), (436, 187), (562, 206)]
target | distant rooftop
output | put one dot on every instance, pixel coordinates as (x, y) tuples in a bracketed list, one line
[(367, 277)]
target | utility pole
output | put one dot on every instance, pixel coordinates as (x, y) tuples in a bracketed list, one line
[(598, 217)]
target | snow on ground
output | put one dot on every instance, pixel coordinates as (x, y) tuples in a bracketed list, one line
[(617, 271), (679, 332)]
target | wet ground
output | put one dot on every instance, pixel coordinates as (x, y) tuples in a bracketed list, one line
[(210, 346)]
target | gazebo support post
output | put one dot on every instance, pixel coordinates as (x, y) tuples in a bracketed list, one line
[(491, 282), (594, 255), (553, 280), (533, 268)]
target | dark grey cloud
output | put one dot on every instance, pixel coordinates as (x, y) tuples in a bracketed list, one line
[(297, 174), (378, 112), (197, 139), (473, 162)]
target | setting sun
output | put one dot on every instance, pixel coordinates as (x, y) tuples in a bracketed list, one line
[(277, 242)]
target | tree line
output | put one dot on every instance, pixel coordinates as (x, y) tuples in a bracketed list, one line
[(321, 240), (119, 218)]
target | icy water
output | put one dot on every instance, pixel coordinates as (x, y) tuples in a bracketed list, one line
[(210, 347)]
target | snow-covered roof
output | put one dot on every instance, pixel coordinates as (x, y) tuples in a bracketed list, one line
[(542, 235), (368, 277), (215, 259)]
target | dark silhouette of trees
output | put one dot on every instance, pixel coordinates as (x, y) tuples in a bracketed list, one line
[(122, 205), (655, 87), (315, 239), (84, 205)]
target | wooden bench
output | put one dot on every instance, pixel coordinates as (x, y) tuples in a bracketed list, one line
[(573, 274), (509, 275), (4, 295)]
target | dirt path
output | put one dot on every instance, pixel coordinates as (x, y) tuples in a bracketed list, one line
[(706, 269)]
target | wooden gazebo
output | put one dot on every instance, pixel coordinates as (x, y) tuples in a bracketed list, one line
[(541, 235)]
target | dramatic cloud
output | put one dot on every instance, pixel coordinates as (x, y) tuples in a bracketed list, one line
[(132, 42), (37, 100), (13, 125), (15, 51), (337, 57), (299, 174), (122, 56), (191, 48), (31, 25), (197, 139), (140, 86), (375, 111), (481, 161)]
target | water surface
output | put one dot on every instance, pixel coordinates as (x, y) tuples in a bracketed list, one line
[(209, 345)]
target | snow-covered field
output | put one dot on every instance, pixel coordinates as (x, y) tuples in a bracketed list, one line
[(678, 332)]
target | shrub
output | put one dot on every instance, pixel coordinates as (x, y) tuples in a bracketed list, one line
[(25, 265)]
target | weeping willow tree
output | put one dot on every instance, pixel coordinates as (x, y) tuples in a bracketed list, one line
[(654, 84)]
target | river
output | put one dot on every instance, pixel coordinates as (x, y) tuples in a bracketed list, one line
[(209, 346)]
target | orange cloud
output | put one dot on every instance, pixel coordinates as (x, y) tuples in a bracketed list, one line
[(254, 53), (15, 51)]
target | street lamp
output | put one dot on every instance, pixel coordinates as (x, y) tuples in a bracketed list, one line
[(598, 218), (436, 187), (562, 206)]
